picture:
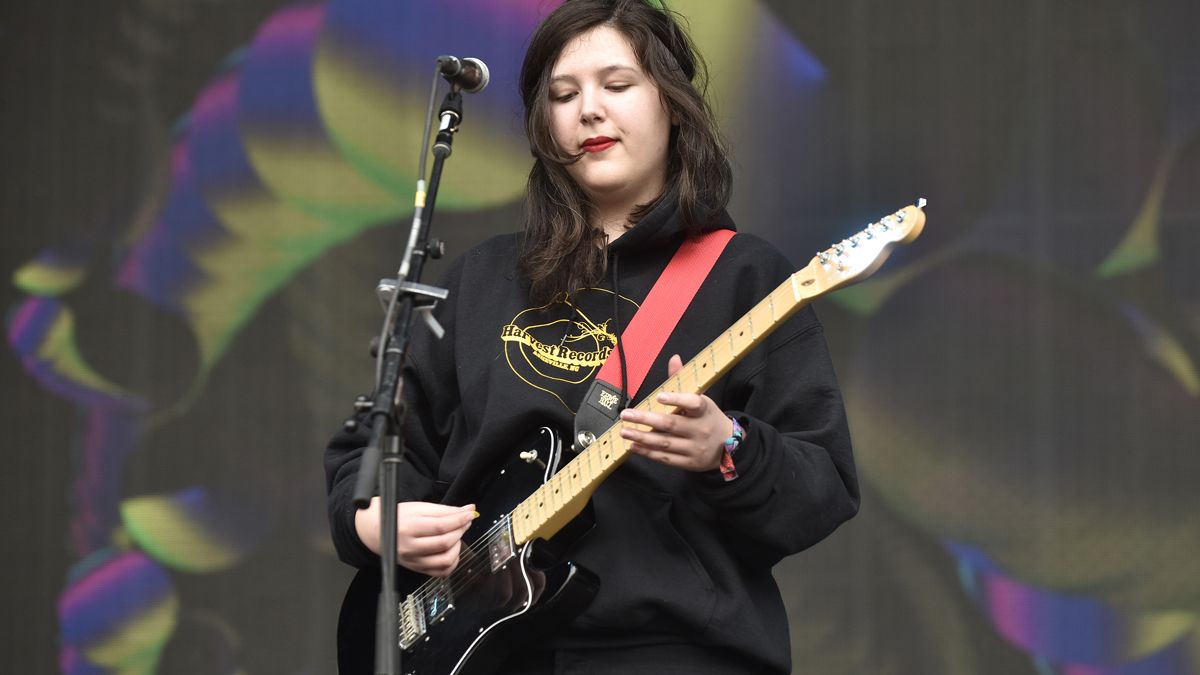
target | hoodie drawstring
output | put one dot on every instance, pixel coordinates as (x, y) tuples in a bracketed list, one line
[(625, 394)]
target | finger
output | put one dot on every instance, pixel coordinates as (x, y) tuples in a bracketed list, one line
[(420, 525), (439, 565), (645, 438), (427, 546), (431, 510), (673, 365), (645, 421), (688, 405), (656, 445), (416, 547)]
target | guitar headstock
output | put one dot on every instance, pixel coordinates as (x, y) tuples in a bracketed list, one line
[(858, 256)]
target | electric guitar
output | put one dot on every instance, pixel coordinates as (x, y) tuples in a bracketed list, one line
[(511, 581)]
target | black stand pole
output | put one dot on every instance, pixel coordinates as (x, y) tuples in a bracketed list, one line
[(385, 452)]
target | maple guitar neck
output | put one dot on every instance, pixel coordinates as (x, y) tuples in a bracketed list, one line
[(560, 499)]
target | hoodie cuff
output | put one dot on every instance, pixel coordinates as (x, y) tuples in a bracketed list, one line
[(744, 460), (350, 549)]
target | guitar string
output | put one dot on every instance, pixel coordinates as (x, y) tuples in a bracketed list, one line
[(472, 564), (466, 562), (478, 552), (467, 572)]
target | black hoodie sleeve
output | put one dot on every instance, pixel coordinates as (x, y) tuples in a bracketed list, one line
[(796, 476)]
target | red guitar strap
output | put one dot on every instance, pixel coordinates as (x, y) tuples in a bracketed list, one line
[(646, 334)]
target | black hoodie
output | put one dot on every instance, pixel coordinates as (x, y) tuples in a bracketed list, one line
[(682, 557)]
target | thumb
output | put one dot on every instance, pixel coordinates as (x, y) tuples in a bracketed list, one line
[(673, 365)]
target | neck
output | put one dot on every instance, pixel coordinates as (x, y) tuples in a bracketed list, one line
[(613, 224), (612, 217)]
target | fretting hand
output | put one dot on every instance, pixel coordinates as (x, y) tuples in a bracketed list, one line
[(692, 438)]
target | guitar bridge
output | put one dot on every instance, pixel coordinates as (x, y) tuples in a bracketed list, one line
[(412, 621)]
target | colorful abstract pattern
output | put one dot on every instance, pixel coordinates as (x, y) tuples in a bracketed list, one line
[(298, 144), (1022, 384)]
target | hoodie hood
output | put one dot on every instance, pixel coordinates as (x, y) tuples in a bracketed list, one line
[(662, 226)]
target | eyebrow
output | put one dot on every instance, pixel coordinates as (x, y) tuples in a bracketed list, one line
[(603, 71)]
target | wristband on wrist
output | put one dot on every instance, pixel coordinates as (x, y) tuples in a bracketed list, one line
[(728, 470)]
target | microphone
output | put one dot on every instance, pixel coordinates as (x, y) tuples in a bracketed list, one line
[(470, 75)]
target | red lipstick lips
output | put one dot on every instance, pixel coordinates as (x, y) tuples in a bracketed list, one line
[(598, 144)]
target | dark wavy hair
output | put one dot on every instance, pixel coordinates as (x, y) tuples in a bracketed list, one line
[(561, 251)]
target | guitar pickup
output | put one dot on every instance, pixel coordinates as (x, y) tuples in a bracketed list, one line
[(500, 550), (438, 602)]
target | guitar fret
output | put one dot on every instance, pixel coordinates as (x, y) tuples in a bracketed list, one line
[(771, 304), (795, 288)]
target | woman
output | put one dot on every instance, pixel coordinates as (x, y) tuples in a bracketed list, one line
[(627, 166)]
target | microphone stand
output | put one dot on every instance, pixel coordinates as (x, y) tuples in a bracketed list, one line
[(404, 297)]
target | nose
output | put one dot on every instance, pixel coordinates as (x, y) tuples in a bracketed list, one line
[(590, 109)]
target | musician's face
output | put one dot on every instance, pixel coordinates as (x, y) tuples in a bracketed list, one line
[(604, 105)]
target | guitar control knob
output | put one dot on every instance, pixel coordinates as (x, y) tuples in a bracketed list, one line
[(531, 457)]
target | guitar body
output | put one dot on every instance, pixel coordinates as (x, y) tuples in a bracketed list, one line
[(498, 597)]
